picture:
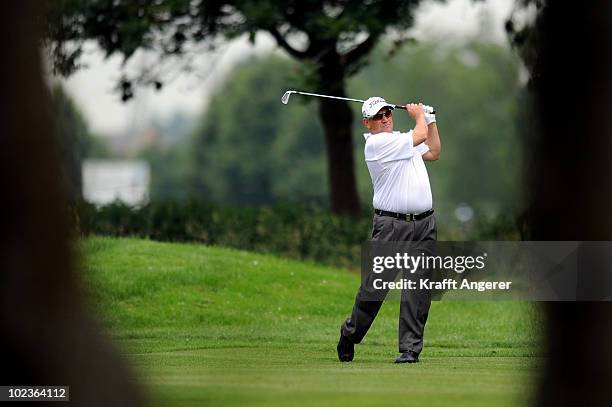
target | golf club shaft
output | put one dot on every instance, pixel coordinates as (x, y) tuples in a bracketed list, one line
[(341, 98)]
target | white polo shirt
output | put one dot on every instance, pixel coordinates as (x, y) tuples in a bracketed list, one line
[(398, 172)]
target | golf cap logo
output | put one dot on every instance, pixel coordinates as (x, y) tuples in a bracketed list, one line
[(373, 105), (375, 101)]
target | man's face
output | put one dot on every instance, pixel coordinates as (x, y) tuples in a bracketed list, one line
[(381, 122)]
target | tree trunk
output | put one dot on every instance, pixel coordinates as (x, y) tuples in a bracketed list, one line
[(46, 334), (572, 195), (337, 120)]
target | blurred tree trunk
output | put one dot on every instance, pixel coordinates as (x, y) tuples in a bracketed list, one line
[(47, 337), (572, 188), (337, 120)]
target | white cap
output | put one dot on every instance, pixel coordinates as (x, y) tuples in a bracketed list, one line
[(373, 105)]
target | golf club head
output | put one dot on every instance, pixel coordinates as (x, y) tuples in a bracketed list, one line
[(286, 96)]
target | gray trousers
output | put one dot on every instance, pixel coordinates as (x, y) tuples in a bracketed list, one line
[(414, 305)]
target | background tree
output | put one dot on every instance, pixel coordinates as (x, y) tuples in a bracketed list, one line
[(170, 168), (332, 39), (75, 142), (274, 153)]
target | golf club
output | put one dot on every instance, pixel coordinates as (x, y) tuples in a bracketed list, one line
[(287, 95)]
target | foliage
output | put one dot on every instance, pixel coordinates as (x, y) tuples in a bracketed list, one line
[(526, 38), (300, 232), (338, 36), (338, 32), (250, 148), (265, 152), (289, 230), (169, 167)]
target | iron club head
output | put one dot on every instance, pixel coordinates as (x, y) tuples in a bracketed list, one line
[(286, 96)]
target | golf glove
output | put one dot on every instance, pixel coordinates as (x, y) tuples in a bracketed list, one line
[(430, 116)]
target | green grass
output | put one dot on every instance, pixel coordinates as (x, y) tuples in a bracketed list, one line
[(215, 326)]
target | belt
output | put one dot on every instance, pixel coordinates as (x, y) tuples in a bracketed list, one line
[(404, 216)]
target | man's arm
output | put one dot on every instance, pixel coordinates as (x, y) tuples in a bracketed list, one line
[(419, 133), (433, 142)]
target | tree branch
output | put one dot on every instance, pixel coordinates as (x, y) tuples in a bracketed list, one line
[(280, 40), (360, 50)]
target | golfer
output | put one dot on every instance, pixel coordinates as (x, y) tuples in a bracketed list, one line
[(403, 211)]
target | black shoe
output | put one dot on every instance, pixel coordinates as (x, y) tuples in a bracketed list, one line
[(408, 357), (346, 349)]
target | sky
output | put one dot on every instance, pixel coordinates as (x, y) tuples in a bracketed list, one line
[(93, 87)]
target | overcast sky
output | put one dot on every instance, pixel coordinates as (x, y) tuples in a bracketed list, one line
[(92, 88)]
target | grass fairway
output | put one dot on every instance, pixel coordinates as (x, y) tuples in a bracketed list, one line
[(215, 326)]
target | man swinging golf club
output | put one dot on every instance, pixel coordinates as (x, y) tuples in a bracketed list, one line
[(403, 211)]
